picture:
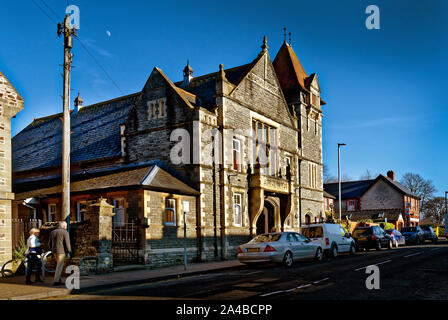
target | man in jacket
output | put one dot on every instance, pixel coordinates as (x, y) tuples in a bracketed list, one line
[(59, 246)]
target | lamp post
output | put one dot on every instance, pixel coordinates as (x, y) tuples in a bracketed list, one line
[(339, 179), (446, 213)]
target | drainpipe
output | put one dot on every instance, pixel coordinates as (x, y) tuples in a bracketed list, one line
[(300, 193)]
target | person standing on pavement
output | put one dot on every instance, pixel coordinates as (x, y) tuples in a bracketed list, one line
[(59, 246), (33, 255)]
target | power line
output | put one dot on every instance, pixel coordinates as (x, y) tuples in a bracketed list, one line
[(98, 64), (82, 44), (44, 12), (51, 9)]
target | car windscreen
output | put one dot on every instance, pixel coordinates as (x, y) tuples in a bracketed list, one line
[(389, 231), (362, 232), (313, 232), (409, 229), (271, 237)]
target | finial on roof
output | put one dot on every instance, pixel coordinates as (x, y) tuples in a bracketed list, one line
[(284, 33), (78, 103), (265, 44), (188, 74), (289, 38)]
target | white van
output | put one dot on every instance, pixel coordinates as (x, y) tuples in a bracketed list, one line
[(332, 237)]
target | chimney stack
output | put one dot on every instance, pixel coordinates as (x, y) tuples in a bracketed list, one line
[(78, 104), (391, 174)]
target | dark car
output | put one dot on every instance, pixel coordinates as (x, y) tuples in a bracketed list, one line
[(413, 234), (397, 238), (371, 237), (430, 234)]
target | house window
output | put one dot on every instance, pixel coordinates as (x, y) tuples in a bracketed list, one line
[(2, 154), (237, 209), (2, 126), (170, 212), (2, 140), (236, 148), (288, 164), (351, 205), (52, 212), (119, 217), (81, 209), (151, 109)]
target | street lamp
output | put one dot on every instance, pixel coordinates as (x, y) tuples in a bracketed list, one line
[(339, 179)]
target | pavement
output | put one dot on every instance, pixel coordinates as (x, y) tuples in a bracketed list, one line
[(15, 289)]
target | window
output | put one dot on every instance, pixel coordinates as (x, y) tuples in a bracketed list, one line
[(312, 175), (236, 147), (2, 140), (2, 154), (52, 212), (2, 126), (81, 209), (151, 109), (119, 217), (351, 205), (265, 147), (237, 209), (170, 212), (162, 110), (2, 181)]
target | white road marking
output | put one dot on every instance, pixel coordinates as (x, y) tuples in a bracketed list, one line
[(376, 264), (304, 286), (271, 293), (247, 274), (318, 281), (435, 249), (411, 255)]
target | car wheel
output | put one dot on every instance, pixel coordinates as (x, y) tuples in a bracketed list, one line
[(288, 260), (334, 251), (378, 246), (352, 249), (319, 254), (391, 245), (396, 244)]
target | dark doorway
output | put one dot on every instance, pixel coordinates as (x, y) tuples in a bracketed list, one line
[(266, 220)]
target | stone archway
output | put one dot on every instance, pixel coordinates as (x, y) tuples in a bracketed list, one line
[(267, 219)]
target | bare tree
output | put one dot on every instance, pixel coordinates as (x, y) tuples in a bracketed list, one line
[(368, 175), (328, 178), (421, 187), (435, 209)]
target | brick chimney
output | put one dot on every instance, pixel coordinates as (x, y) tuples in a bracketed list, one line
[(391, 174)]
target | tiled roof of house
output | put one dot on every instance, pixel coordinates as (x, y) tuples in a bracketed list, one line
[(95, 135), (349, 189), (290, 71), (389, 214)]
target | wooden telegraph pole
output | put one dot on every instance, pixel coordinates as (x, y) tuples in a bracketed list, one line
[(68, 32)]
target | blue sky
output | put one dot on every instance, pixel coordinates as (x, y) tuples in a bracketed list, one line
[(384, 88)]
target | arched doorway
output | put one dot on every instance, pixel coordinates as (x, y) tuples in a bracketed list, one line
[(266, 219), (307, 219)]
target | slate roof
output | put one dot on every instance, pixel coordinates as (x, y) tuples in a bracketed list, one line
[(355, 189), (390, 214), (205, 86), (131, 177), (349, 189), (95, 135)]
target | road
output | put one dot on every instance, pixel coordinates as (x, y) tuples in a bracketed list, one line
[(412, 272)]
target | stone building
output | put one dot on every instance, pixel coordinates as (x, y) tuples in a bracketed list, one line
[(242, 145), (10, 104), (378, 199)]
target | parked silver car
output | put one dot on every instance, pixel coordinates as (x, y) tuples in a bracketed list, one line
[(285, 247)]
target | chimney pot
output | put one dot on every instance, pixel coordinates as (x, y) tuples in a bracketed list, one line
[(391, 174)]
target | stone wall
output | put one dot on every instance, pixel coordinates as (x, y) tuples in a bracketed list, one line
[(381, 196), (10, 104)]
